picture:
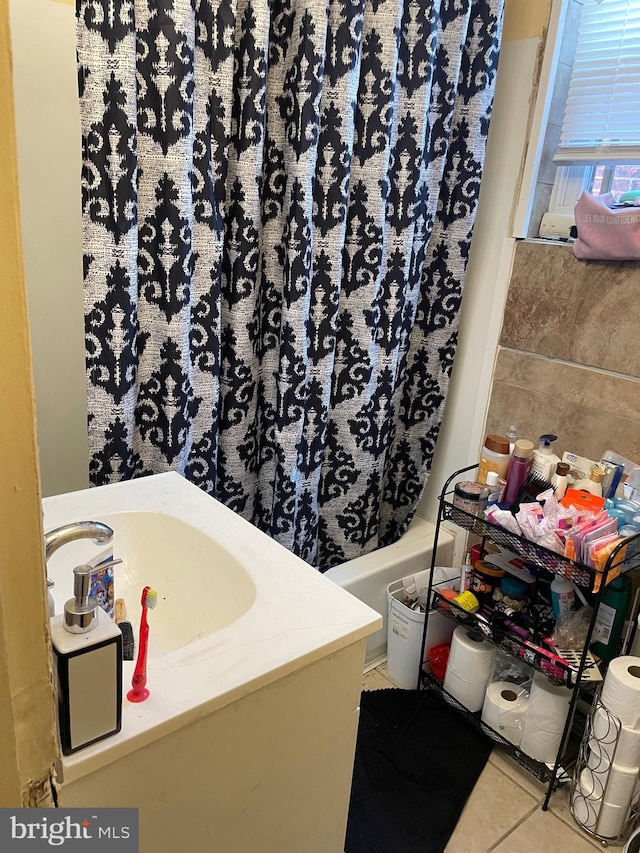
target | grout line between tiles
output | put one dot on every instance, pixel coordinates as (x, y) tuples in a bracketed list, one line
[(513, 828), (537, 796), (590, 367)]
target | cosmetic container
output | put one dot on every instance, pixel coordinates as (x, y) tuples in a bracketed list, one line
[(593, 484), (518, 469), (559, 479), (494, 456)]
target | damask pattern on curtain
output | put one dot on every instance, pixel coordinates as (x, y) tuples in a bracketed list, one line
[(278, 201)]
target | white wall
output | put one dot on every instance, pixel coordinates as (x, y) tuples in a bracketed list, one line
[(49, 160), (49, 145)]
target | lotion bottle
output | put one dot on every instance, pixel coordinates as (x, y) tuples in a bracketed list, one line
[(544, 460), (87, 646), (593, 483)]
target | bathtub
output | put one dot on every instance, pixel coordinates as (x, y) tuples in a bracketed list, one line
[(367, 577)]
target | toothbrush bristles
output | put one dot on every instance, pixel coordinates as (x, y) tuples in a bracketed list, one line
[(151, 599)]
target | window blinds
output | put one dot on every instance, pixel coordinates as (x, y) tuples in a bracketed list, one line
[(602, 114)]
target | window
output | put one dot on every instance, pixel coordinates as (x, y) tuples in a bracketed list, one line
[(599, 145)]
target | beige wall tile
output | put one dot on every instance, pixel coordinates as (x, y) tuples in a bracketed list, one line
[(590, 411), (583, 312)]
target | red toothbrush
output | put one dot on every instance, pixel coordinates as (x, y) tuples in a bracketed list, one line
[(139, 692)]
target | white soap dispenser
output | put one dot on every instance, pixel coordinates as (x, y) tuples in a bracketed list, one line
[(87, 646)]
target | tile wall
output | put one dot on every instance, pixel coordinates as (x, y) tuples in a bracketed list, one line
[(568, 362)]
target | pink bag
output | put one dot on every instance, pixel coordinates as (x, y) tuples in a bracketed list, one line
[(605, 234)]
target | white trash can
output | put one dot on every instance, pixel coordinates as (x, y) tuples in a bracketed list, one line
[(405, 627)]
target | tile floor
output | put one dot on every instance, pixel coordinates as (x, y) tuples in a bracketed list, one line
[(503, 813)]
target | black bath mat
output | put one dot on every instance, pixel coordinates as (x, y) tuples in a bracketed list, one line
[(416, 763)]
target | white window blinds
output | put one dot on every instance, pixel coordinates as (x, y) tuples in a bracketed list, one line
[(602, 115)]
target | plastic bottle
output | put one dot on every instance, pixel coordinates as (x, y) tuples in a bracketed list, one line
[(559, 479), (466, 573), (609, 623), (491, 492), (494, 456), (512, 436), (593, 483), (518, 469), (544, 460), (563, 596)]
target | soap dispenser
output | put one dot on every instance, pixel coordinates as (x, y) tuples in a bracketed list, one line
[(87, 646), (544, 460)]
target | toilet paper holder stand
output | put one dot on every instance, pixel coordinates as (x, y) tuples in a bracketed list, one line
[(583, 806)]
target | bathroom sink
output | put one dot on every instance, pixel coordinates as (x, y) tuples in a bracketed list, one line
[(236, 611), (201, 587)]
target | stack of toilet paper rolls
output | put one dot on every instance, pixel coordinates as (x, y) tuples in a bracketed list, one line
[(606, 787), (469, 668)]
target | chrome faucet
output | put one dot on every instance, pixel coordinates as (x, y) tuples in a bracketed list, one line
[(101, 534)]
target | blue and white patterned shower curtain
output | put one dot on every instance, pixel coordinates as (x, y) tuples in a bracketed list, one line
[(278, 201)]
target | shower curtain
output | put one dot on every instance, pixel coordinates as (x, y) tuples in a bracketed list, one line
[(278, 201)]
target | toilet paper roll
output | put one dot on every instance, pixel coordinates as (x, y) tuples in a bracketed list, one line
[(540, 744), (468, 693), (546, 715), (621, 690), (504, 709), (548, 704), (619, 785), (611, 820), (621, 745), (471, 657)]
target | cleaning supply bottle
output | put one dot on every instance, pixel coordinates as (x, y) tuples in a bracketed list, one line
[(609, 624), (559, 479), (544, 460), (593, 483), (563, 596), (494, 456), (87, 647), (518, 469)]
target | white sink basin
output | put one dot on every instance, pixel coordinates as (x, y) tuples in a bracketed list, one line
[(236, 611), (201, 587)]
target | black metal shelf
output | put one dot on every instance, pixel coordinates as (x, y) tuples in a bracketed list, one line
[(538, 556), (543, 562), (513, 645), (542, 772)]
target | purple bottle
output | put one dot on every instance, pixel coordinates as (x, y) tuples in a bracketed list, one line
[(518, 469)]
